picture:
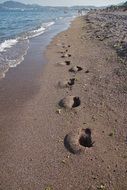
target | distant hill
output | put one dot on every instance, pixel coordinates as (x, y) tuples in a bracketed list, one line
[(13, 5)]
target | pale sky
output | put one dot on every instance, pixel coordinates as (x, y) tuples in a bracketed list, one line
[(69, 2)]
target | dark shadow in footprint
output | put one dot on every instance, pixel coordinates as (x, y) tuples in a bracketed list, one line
[(77, 102), (79, 68), (70, 102), (87, 71), (85, 138), (68, 62), (61, 104), (66, 55), (71, 82)]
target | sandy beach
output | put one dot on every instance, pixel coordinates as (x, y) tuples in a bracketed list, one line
[(40, 144)]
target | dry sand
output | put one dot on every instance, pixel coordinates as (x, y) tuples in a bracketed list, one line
[(32, 151)]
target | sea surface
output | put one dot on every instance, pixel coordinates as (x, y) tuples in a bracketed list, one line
[(18, 27)]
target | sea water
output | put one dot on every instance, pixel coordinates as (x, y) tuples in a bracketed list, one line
[(18, 27)]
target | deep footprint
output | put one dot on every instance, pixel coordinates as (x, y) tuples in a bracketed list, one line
[(75, 69), (70, 102), (64, 63), (66, 83), (71, 82), (76, 142), (68, 62), (66, 55)]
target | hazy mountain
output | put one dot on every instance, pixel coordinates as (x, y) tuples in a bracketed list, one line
[(13, 5)]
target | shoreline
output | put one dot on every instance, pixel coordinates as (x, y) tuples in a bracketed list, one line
[(21, 82), (33, 155)]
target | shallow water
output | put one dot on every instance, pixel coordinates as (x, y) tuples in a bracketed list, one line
[(18, 27)]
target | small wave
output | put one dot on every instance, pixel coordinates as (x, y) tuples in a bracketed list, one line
[(39, 31), (48, 24), (13, 55), (18, 60), (12, 51), (7, 44), (12, 42), (36, 32), (61, 17)]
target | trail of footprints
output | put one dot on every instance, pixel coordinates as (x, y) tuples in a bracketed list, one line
[(76, 140)]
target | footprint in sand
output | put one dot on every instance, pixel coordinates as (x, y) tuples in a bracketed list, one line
[(63, 52), (78, 140), (64, 63), (65, 55), (75, 69), (66, 46), (70, 102), (68, 62), (66, 83)]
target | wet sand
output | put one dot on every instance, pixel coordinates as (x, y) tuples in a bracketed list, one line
[(32, 132)]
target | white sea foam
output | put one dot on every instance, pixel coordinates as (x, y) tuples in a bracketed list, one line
[(7, 44), (60, 17), (11, 42), (49, 24), (14, 63), (12, 51), (36, 32), (40, 30)]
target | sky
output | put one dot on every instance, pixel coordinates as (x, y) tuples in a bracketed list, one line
[(69, 2)]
